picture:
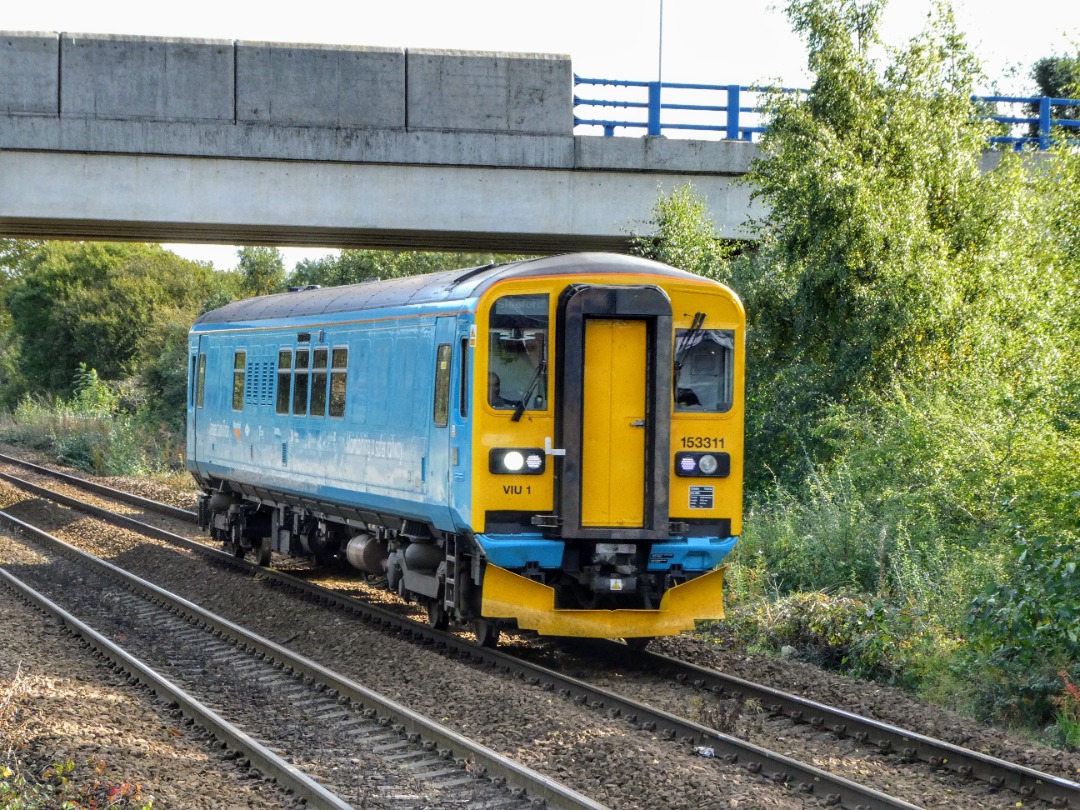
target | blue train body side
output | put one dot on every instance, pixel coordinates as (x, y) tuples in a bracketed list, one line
[(383, 456)]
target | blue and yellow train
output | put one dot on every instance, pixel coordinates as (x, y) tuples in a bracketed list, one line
[(553, 443)]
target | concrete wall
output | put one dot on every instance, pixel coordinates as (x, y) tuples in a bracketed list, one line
[(30, 66), (183, 80), (275, 101), (320, 86), (146, 78), (488, 92)]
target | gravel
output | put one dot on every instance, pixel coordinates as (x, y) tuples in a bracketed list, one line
[(68, 706), (541, 732)]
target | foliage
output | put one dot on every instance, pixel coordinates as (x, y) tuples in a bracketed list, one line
[(162, 382), (874, 188), (262, 270), (355, 266), (1068, 714), (891, 641), (684, 236), (64, 787), (99, 304), (13, 252), (87, 431), (1030, 621), (1056, 77), (912, 386)]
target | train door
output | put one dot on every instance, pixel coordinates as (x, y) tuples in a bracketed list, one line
[(614, 411), (438, 469), (460, 425), (196, 393)]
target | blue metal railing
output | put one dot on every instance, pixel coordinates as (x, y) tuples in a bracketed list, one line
[(735, 112)]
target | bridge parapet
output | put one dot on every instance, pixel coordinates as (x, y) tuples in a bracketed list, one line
[(190, 80), (276, 101)]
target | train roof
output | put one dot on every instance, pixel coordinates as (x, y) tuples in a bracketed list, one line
[(431, 288)]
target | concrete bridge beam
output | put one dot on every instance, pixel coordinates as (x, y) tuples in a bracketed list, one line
[(110, 137)]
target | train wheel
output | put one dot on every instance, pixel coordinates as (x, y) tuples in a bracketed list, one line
[(638, 644), (262, 552), (487, 632), (437, 617), (232, 541)]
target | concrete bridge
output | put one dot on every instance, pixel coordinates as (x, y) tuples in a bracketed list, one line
[(183, 140)]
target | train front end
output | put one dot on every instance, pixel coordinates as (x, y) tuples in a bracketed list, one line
[(607, 449)]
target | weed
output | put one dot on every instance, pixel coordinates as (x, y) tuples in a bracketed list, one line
[(1068, 714)]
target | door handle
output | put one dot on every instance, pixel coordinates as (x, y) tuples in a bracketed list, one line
[(638, 423)]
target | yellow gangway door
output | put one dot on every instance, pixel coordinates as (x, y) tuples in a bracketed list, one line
[(614, 430)]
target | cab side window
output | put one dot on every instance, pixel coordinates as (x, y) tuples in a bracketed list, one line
[(442, 386)]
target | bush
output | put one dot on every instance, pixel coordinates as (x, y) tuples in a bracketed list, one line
[(1025, 633), (87, 431)]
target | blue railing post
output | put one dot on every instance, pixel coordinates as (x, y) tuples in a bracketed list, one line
[(654, 108), (1044, 122), (733, 112)]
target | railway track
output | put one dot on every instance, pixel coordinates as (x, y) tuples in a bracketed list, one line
[(897, 747), (321, 736)]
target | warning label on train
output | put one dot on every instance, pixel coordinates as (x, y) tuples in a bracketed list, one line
[(701, 497)]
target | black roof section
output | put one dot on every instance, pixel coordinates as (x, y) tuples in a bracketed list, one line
[(451, 285)]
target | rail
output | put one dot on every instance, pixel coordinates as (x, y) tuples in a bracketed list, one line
[(737, 112)]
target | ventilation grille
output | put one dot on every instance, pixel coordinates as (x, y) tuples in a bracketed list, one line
[(259, 387)]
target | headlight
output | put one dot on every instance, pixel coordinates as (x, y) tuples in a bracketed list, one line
[(516, 461), (702, 465)]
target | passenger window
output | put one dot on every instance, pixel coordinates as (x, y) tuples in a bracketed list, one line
[(442, 385), (284, 380), (319, 360), (239, 376), (300, 382), (192, 378), (200, 388), (339, 364), (704, 378), (517, 353)]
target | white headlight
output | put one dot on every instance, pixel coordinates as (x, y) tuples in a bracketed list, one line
[(513, 461), (708, 464)]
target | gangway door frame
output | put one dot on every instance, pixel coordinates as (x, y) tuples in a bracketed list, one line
[(648, 303)]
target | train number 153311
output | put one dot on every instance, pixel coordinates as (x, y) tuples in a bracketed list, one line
[(703, 442)]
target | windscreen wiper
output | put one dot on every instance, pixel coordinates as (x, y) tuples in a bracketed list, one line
[(686, 342), (519, 409)]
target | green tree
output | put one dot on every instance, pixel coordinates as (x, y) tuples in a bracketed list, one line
[(684, 236), (873, 187), (1056, 77), (355, 266), (99, 304), (262, 270), (13, 252)]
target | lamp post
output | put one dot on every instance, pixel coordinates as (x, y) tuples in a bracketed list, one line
[(654, 87), (660, 47)]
